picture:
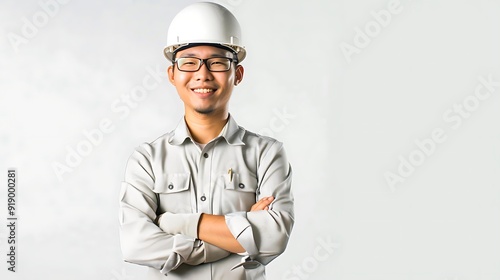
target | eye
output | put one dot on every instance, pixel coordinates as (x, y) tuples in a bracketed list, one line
[(188, 61), (215, 62), (219, 63)]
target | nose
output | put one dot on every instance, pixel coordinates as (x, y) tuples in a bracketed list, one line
[(203, 74)]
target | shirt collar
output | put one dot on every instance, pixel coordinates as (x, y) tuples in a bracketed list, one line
[(231, 132)]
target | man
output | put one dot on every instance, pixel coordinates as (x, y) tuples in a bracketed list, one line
[(208, 200)]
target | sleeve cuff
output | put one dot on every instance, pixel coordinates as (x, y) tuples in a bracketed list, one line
[(242, 230), (214, 253), (182, 223), (182, 248)]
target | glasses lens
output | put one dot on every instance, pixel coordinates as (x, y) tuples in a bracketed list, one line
[(193, 64), (188, 63), (219, 64)]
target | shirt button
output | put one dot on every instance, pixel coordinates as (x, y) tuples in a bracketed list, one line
[(203, 198), (205, 155), (170, 186), (241, 185)]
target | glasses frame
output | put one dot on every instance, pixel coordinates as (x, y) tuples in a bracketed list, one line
[(205, 61)]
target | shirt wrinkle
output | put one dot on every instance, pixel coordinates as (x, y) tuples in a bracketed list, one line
[(227, 178)]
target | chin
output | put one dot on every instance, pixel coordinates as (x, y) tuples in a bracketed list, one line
[(204, 111)]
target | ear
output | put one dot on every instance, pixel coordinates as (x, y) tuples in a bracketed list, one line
[(239, 74), (170, 73)]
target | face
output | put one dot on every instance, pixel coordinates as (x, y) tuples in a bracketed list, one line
[(205, 92)]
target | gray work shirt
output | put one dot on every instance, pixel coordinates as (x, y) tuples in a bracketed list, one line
[(233, 171)]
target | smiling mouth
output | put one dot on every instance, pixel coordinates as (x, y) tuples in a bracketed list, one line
[(203, 90), (204, 93)]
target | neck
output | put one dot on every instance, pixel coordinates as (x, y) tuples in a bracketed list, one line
[(205, 127)]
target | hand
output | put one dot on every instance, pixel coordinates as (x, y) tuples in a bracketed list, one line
[(262, 204)]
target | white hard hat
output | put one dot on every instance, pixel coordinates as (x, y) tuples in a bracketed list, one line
[(204, 23)]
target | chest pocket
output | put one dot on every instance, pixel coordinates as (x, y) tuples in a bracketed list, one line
[(239, 192), (174, 193)]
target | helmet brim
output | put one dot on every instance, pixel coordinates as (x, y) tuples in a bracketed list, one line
[(170, 51)]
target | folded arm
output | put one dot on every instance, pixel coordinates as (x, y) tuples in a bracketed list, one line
[(142, 241), (214, 230), (211, 229), (262, 232)]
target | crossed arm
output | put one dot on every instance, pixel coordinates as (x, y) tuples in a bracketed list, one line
[(170, 241), (213, 228)]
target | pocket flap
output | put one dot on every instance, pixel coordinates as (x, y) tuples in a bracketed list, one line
[(173, 183), (240, 182)]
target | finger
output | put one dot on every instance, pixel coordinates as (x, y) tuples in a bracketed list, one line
[(266, 200), (259, 205), (262, 204)]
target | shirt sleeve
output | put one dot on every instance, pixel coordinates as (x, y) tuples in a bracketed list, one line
[(187, 224), (142, 241), (207, 253), (264, 234)]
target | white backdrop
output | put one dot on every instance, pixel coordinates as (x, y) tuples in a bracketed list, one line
[(388, 110)]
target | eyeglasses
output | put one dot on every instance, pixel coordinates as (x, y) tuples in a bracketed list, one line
[(214, 64)]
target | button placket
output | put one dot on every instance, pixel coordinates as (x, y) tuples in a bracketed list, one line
[(204, 180)]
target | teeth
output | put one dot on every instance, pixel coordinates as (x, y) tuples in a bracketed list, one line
[(203, 90)]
